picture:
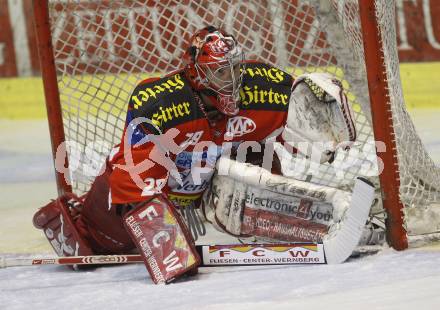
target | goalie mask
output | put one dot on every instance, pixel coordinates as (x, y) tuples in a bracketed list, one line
[(214, 61), (320, 120)]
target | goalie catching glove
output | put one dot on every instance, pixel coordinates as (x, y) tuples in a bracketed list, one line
[(319, 120)]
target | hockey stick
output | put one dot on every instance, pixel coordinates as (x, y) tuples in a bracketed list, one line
[(212, 256)]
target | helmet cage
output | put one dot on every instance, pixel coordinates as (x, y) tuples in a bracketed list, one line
[(223, 74)]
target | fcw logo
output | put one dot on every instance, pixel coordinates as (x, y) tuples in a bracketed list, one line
[(239, 126)]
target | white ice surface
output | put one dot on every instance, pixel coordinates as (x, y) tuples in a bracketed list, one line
[(387, 280)]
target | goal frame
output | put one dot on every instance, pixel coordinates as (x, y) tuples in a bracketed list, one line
[(382, 124), (50, 85), (379, 101)]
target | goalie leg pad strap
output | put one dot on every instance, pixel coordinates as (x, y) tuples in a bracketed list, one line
[(164, 242)]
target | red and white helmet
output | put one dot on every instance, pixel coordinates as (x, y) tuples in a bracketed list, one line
[(214, 61)]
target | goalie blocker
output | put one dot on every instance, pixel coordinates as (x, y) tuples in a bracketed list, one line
[(164, 241)]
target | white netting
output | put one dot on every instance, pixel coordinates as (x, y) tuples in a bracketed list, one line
[(419, 176), (103, 48)]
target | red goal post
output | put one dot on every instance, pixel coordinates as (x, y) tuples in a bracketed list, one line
[(50, 84), (92, 54), (382, 122)]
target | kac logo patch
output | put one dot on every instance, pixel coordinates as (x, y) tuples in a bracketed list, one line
[(239, 125)]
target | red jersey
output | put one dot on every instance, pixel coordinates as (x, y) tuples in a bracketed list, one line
[(167, 132)]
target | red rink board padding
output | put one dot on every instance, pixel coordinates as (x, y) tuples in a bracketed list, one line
[(418, 32), (163, 240)]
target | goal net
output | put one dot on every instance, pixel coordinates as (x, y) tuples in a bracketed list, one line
[(103, 48)]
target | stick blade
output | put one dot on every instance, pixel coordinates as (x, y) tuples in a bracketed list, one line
[(339, 244)]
